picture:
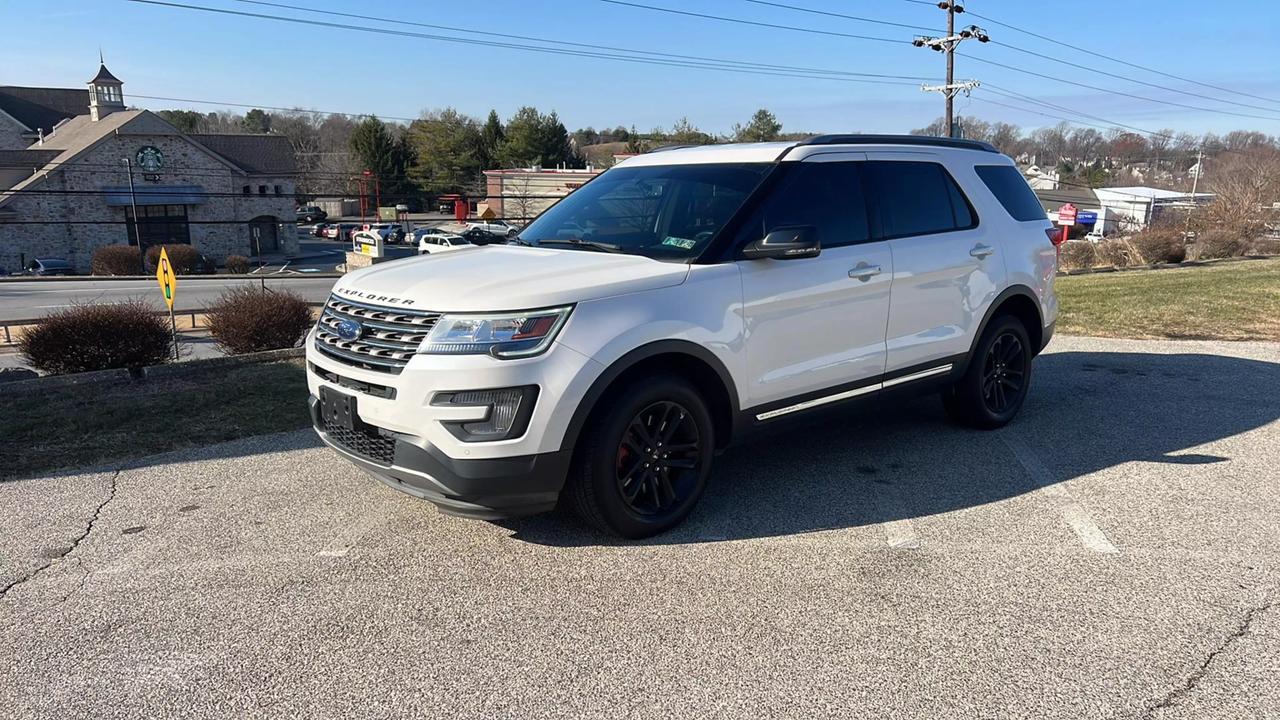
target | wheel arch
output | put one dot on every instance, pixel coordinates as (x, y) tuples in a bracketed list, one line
[(693, 361), (1019, 301)]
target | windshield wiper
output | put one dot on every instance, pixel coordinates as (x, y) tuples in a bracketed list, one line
[(578, 242), (517, 240)]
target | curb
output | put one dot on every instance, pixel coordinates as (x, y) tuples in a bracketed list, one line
[(1163, 266), (153, 372)]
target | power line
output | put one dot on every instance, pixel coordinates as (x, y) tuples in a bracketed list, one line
[(1118, 92), (740, 21), (814, 11), (723, 66), (944, 5), (1132, 79), (552, 41), (1059, 42)]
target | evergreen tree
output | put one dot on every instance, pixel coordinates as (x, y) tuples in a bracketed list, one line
[(491, 139), (764, 126), (387, 155), (536, 139)]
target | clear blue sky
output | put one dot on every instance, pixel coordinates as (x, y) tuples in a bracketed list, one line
[(163, 51)]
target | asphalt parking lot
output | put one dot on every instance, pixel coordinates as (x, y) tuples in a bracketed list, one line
[(1114, 553)]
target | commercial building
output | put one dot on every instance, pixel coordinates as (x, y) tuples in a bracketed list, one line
[(521, 194), (1118, 209), (79, 170)]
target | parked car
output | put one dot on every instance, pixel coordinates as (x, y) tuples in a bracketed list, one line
[(497, 227), (754, 284), (477, 236), (434, 242), (311, 214), (49, 266), (391, 233), (341, 231), (318, 230)]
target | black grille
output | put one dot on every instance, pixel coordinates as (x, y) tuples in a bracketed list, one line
[(390, 335), (365, 442)]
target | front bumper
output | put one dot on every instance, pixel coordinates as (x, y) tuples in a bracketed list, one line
[(483, 488)]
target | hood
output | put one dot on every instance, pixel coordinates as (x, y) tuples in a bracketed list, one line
[(506, 277)]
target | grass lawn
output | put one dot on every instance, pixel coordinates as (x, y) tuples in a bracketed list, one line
[(1224, 301), (96, 424)]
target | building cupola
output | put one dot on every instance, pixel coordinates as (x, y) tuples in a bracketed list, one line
[(105, 93)]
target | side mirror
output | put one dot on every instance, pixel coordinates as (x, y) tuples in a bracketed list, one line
[(789, 243)]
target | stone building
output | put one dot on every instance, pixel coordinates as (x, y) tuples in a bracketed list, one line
[(68, 159)]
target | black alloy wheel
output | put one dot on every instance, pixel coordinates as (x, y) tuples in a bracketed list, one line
[(1003, 373), (658, 459), (644, 457), (997, 377)]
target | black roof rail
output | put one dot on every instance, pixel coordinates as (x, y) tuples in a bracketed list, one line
[(664, 148), (927, 140)]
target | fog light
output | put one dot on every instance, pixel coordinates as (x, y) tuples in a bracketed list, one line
[(506, 412)]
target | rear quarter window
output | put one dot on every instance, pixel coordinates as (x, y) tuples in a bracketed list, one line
[(1009, 187), (917, 198)]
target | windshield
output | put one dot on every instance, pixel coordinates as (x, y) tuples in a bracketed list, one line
[(666, 212)]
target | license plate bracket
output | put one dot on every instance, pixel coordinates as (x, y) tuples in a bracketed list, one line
[(338, 409)]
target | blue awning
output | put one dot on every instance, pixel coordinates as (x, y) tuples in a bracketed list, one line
[(148, 194)]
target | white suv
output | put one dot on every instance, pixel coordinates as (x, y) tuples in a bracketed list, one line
[(674, 305)]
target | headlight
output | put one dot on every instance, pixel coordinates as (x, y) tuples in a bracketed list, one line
[(502, 335)]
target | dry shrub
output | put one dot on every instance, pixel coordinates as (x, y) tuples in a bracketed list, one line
[(1077, 255), (98, 337), (1160, 245), (1117, 253), (1265, 246), (116, 260), (1217, 243), (247, 319), (185, 259), (237, 264)]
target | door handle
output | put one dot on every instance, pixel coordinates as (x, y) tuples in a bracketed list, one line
[(864, 272), (981, 251)]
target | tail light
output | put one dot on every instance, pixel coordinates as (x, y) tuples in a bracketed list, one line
[(1057, 236)]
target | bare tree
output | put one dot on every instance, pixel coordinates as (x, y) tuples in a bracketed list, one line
[(1244, 186), (518, 202)]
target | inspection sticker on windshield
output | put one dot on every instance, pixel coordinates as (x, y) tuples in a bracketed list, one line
[(682, 243)]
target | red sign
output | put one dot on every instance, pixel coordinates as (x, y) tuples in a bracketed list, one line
[(1067, 214)]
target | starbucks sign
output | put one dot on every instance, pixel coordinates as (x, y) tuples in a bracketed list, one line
[(150, 158)]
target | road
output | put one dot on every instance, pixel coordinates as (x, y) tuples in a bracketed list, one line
[(1114, 553), (21, 300), (36, 298)]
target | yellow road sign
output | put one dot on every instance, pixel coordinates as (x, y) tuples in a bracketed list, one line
[(166, 277)]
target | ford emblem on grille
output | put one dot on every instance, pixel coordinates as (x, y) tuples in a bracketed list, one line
[(349, 329)]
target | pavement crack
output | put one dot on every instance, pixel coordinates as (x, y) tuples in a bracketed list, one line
[(75, 542), (1192, 680)]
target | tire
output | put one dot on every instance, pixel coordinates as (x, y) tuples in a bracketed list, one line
[(997, 380), (614, 487)]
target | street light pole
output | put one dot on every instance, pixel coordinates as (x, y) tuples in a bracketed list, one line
[(137, 230)]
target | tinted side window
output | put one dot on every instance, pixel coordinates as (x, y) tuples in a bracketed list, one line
[(917, 198), (827, 196), (1007, 184)]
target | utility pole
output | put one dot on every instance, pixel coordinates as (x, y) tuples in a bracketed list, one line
[(948, 45), (1195, 185), (137, 227)]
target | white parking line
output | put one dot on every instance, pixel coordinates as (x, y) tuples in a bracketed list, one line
[(1073, 513), (901, 535)]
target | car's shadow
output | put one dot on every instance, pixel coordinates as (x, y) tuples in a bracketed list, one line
[(1087, 412)]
